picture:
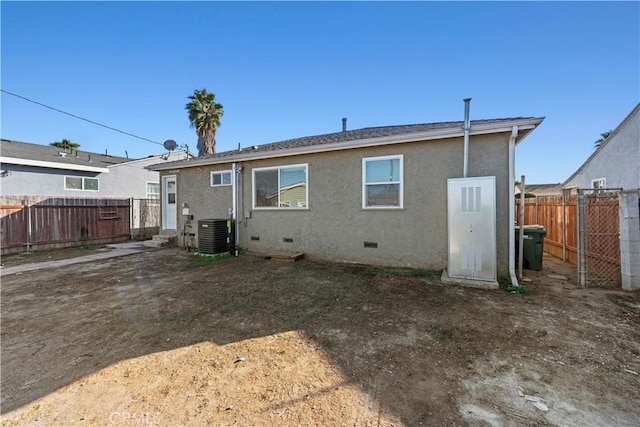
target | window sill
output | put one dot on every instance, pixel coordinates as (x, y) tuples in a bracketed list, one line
[(384, 208), (281, 209)]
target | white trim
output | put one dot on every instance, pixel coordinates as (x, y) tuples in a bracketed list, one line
[(400, 182), (504, 127), (278, 168), (164, 200), (52, 165), (81, 178), (146, 187), (222, 184), (603, 180)]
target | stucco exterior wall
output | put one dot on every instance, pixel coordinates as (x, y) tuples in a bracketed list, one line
[(617, 161), (335, 226)]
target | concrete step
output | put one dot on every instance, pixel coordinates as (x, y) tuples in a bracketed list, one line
[(159, 241)]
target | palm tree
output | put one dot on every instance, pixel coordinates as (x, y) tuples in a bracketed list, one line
[(603, 137), (204, 115), (65, 144)]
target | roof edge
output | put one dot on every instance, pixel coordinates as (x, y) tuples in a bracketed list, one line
[(482, 129), (52, 165), (622, 124)]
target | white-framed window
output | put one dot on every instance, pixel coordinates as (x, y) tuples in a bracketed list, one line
[(153, 191), (282, 187), (599, 183), (81, 183), (382, 182), (220, 178)]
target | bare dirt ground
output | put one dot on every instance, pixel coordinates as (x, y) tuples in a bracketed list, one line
[(158, 338)]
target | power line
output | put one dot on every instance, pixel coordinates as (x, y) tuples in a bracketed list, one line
[(78, 117)]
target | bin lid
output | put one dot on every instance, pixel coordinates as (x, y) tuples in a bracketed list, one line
[(534, 227)]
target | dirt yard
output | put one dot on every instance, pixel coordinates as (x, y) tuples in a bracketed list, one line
[(161, 338)]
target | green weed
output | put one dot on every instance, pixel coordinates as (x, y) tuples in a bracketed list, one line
[(200, 259), (519, 290)]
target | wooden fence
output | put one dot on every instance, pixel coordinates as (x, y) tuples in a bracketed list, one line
[(559, 217), (38, 223), (600, 229)]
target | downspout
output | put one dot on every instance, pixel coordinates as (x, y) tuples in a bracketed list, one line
[(512, 206), (234, 206), (467, 127)]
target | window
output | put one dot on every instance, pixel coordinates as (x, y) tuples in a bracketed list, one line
[(599, 183), (153, 191), (81, 183), (280, 187), (382, 179), (220, 178)]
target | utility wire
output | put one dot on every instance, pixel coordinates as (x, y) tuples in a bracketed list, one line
[(78, 117)]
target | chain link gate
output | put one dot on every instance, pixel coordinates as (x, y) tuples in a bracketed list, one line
[(599, 238)]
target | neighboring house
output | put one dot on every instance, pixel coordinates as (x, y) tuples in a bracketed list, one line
[(615, 163), (374, 195), (542, 189), (42, 170)]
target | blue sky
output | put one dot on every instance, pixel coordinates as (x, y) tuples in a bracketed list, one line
[(288, 69)]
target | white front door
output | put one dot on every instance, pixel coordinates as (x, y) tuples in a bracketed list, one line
[(169, 210), (472, 228)]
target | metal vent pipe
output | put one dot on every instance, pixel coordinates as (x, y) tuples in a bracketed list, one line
[(344, 124), (467, 126)]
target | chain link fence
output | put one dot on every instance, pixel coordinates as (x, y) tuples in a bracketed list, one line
[(599, 238), (145, 218)]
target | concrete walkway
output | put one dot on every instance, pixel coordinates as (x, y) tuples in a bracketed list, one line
[(120, 249)]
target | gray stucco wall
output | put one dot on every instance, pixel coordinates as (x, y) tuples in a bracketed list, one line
[(617, 161), (336, 226)]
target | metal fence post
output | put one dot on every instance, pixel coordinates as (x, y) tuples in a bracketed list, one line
[(131, 217), (29, 227), (582, 252)]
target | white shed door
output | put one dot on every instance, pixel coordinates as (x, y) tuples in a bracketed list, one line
[(471, 209)]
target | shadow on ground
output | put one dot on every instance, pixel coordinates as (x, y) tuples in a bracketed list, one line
[(409, 342)]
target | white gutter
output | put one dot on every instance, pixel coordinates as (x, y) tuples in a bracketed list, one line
[(52, 165), (479, 129), (512, 206), (234, 206), (467, 126)]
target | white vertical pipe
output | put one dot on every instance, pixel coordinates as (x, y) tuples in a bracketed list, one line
[(465, 165), (512, 206), (234, 206)]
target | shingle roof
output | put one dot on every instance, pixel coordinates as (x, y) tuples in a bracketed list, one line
[(339, 140), (365, 133), (47, 153)]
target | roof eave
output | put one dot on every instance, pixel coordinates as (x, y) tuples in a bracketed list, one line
[(523, 124), (52, 165)]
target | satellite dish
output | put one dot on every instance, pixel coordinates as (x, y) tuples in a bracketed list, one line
[(170, 144)]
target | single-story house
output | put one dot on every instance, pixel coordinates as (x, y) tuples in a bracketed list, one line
[(376, 195), (614, 164), (42, 170)]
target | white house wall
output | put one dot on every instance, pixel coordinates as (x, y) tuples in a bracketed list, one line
[(617, 161)]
